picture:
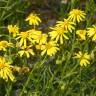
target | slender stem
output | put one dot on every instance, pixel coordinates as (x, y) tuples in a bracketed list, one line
[(80, 82), (70, 54), (8, 88), (73, 3), (30, 75), (3, 13)]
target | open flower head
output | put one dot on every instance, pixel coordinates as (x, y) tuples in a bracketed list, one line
[(32, 32), (6, 69), (92, 32), (66, 24), (39, 37), (76, 15), (58, 34), (14, 30), (83, 58), (50, 48), (4, 45), (24, 38), (33, 19), (81, 34), (26, 51)]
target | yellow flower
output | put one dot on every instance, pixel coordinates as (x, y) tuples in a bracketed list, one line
[(24, 38), (33, 19), (66, 24), (39, 38), (6, 69), (27, 51), (32, 32), (58, 34), (81, 34), (50, 48), (83, 57), (13, 29), (4, 44), (76, 15), (39, 46), (92, 32)]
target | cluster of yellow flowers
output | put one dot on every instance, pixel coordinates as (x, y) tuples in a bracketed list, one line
[(26, 41), (6, 69)]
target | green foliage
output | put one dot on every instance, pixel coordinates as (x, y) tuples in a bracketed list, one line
[(58, 75)]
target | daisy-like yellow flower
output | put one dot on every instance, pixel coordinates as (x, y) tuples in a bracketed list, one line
[(50, 48), (66, 24), (92, 32), (6, 69), (83, 58), (4, 44), (33, 19), (76, 15), (24, 38), (26, 51), (14, 30), (81, 34), (32, 32), (58, 34), (39, 38)]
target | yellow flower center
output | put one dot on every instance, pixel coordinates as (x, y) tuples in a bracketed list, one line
[(2, 66), (33, 17), (83, 57), (48, 46), (76, 12), (14, 30), (60, 31), (82, 32), (24, 35), (66, 23), (40, 37)]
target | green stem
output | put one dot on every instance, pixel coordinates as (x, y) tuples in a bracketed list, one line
[(80, 82), (30, 75), (69, 54), (8, 88), (4, 12), (73, 4)]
